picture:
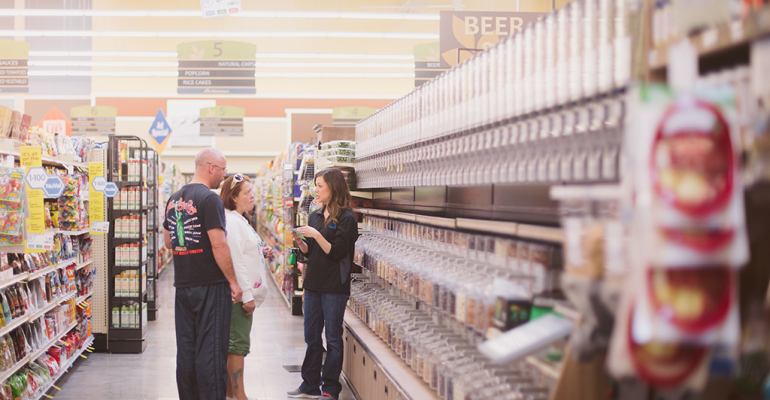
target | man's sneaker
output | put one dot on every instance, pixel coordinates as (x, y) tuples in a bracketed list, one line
[(298, 394), (327, 396)]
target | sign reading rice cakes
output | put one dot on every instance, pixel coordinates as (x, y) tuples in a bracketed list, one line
[(216, 67), (222, 121)]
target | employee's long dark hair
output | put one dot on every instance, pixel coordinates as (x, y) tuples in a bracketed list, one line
[(339, 200)]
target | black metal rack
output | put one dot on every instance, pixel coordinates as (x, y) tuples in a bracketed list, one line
[(132, 339)]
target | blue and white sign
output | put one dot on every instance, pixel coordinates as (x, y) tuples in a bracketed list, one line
[(160, 131), (36, 177), (99, 183), (111, 189), (54, 186)]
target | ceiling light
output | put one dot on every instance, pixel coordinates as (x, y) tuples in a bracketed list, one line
[(11, 12)]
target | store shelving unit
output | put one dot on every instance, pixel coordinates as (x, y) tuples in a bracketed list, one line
[(122, 148)]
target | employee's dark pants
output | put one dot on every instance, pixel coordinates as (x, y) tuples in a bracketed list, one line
[(323, 309), (202, 339)]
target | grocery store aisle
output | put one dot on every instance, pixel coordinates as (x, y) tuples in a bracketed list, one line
[(276, 340)]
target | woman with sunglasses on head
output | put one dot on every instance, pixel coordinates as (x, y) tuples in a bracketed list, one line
[(328, 241), (248, 261)]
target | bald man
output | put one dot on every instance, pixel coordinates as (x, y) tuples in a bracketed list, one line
[(204, 278)]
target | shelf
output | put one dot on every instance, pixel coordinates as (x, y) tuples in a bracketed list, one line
[(277, 286), (48, 160), (363, 195), (47, 270), (64, 368), (119, 241), (544, 367), (405, 379), (83, 265), (335, 165), (140, 265), (141, 297), (18, 278), (74, 233), (124, 184), (716, 39), (127, 211), (16, 367), (82, 298), (34, 356), (50, 307), (14, 324)]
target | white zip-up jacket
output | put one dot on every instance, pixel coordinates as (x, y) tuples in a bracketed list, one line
[(246, 252)]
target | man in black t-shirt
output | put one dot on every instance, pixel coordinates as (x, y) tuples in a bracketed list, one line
[(204, 278)]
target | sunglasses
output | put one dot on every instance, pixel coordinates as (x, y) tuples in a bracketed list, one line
[(237, 178)]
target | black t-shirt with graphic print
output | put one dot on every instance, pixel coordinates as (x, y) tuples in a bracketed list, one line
[(190, 214)]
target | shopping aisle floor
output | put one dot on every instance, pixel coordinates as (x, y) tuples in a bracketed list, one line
[(276, 340)]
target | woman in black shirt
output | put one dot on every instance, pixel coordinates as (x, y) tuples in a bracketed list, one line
[(330, 237)]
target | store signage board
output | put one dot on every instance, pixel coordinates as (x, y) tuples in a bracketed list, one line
[(427, 64), (220, 8), (93, 120), (100, 227), (53, 187), (40, 241), (349, 116), (477, 30), (216, 67), (13, 66), (36, 177), (160, 131), (99, 183), (96, 203), (56, 122), (110, 189), (222, 121)]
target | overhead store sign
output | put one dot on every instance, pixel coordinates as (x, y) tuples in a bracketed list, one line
[(222, 121), (93, 121), (220, 8), (56, 122), (216, 67), (13, 66), (464, 33), (160, 131), (349, 116), (427, 64)]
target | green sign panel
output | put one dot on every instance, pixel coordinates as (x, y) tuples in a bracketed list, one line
[(93, 120), (427, 64), (216, 67), (13, 66), (222, 121), (348, 116)]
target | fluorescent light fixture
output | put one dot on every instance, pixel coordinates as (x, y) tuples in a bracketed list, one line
[(332, 65), (103, 63), (11, 12), (33, 53), (257, 75)]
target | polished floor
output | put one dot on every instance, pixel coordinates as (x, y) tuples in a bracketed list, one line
[(276, 340)]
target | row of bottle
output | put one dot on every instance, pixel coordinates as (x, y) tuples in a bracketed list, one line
[(130, 198), (463, 292), (446, 361), (577, 145), (539, 264), (135, 170), (130, 226), (130, 283), (575, 53), (129, 315), (130, 254)]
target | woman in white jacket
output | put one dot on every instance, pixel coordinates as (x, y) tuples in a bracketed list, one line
[(248, 261)]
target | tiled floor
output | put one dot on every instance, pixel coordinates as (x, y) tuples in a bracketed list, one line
[(276, 340)]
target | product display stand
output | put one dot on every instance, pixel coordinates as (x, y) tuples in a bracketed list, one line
[(132, 239)]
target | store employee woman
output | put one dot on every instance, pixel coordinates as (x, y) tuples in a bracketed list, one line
[(329, 242)]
